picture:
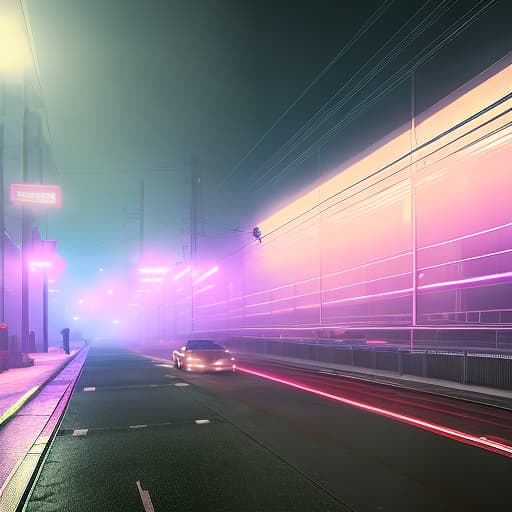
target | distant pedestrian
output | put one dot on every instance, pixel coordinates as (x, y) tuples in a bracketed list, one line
[(65, 339), (32, 341)]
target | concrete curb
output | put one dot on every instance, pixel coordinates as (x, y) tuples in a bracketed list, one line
[(31, 393)]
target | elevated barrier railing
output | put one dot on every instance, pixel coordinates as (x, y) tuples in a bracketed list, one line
[(463, 366)]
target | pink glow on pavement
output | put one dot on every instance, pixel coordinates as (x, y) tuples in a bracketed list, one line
[(458, 435)]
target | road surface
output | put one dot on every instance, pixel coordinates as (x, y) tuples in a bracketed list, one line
[(140, 435)]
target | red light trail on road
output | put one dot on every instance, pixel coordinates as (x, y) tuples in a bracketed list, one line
[(486, 444)]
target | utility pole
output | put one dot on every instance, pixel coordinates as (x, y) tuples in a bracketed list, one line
[(45, 242), (2, 207), (414, 238), (25, 237), (194, 185), (141, 222)]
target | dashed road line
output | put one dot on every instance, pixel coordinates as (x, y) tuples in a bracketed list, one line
[(121, 428), (181, 384), (90, 388), (145, 497), (79, 432)]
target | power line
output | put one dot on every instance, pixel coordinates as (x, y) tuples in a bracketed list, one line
[(108, 172), (408, 154), (362, 30), (331, 107), (402, 158), (35, 61), (391, 83)]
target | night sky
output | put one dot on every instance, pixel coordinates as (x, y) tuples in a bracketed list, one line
[(134, 88)]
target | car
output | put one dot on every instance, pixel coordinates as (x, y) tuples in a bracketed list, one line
[(203, 356)]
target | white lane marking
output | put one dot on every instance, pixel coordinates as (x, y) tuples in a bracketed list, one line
[(137, 426), (80, 432), (92, 388), (145, 497), (165, 365), (181, 384), (171, 376), (202, 422)]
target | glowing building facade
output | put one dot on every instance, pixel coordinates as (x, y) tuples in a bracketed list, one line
[(414, 235)]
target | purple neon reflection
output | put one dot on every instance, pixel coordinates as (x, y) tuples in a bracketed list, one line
[(207, 274)]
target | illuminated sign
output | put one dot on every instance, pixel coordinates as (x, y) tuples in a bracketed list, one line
[(49, 196)]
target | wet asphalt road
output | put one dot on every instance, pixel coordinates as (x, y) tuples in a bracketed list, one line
[(266, 447)]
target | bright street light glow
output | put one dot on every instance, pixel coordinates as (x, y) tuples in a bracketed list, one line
[(100, 269), (115, 321), (181, 274), (15, 55), (76, 318), (110, 291), (151, 279), (80, 301)]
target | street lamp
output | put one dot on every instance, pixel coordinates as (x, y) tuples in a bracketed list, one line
[(15, 55), (14, 58)]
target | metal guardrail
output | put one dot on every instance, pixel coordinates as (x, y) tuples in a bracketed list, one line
[(483, 369)]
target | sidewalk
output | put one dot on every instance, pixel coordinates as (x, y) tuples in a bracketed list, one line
[(17, 385), (32, 400)]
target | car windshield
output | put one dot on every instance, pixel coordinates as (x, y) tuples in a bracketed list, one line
[(203, 345)]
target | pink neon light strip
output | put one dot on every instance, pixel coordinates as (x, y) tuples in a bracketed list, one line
[(472, 258), (153, 270), (181, 274), (206, 274), (209, 287), (151, 279), (470, 235), (478, 279), (486, 444)]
